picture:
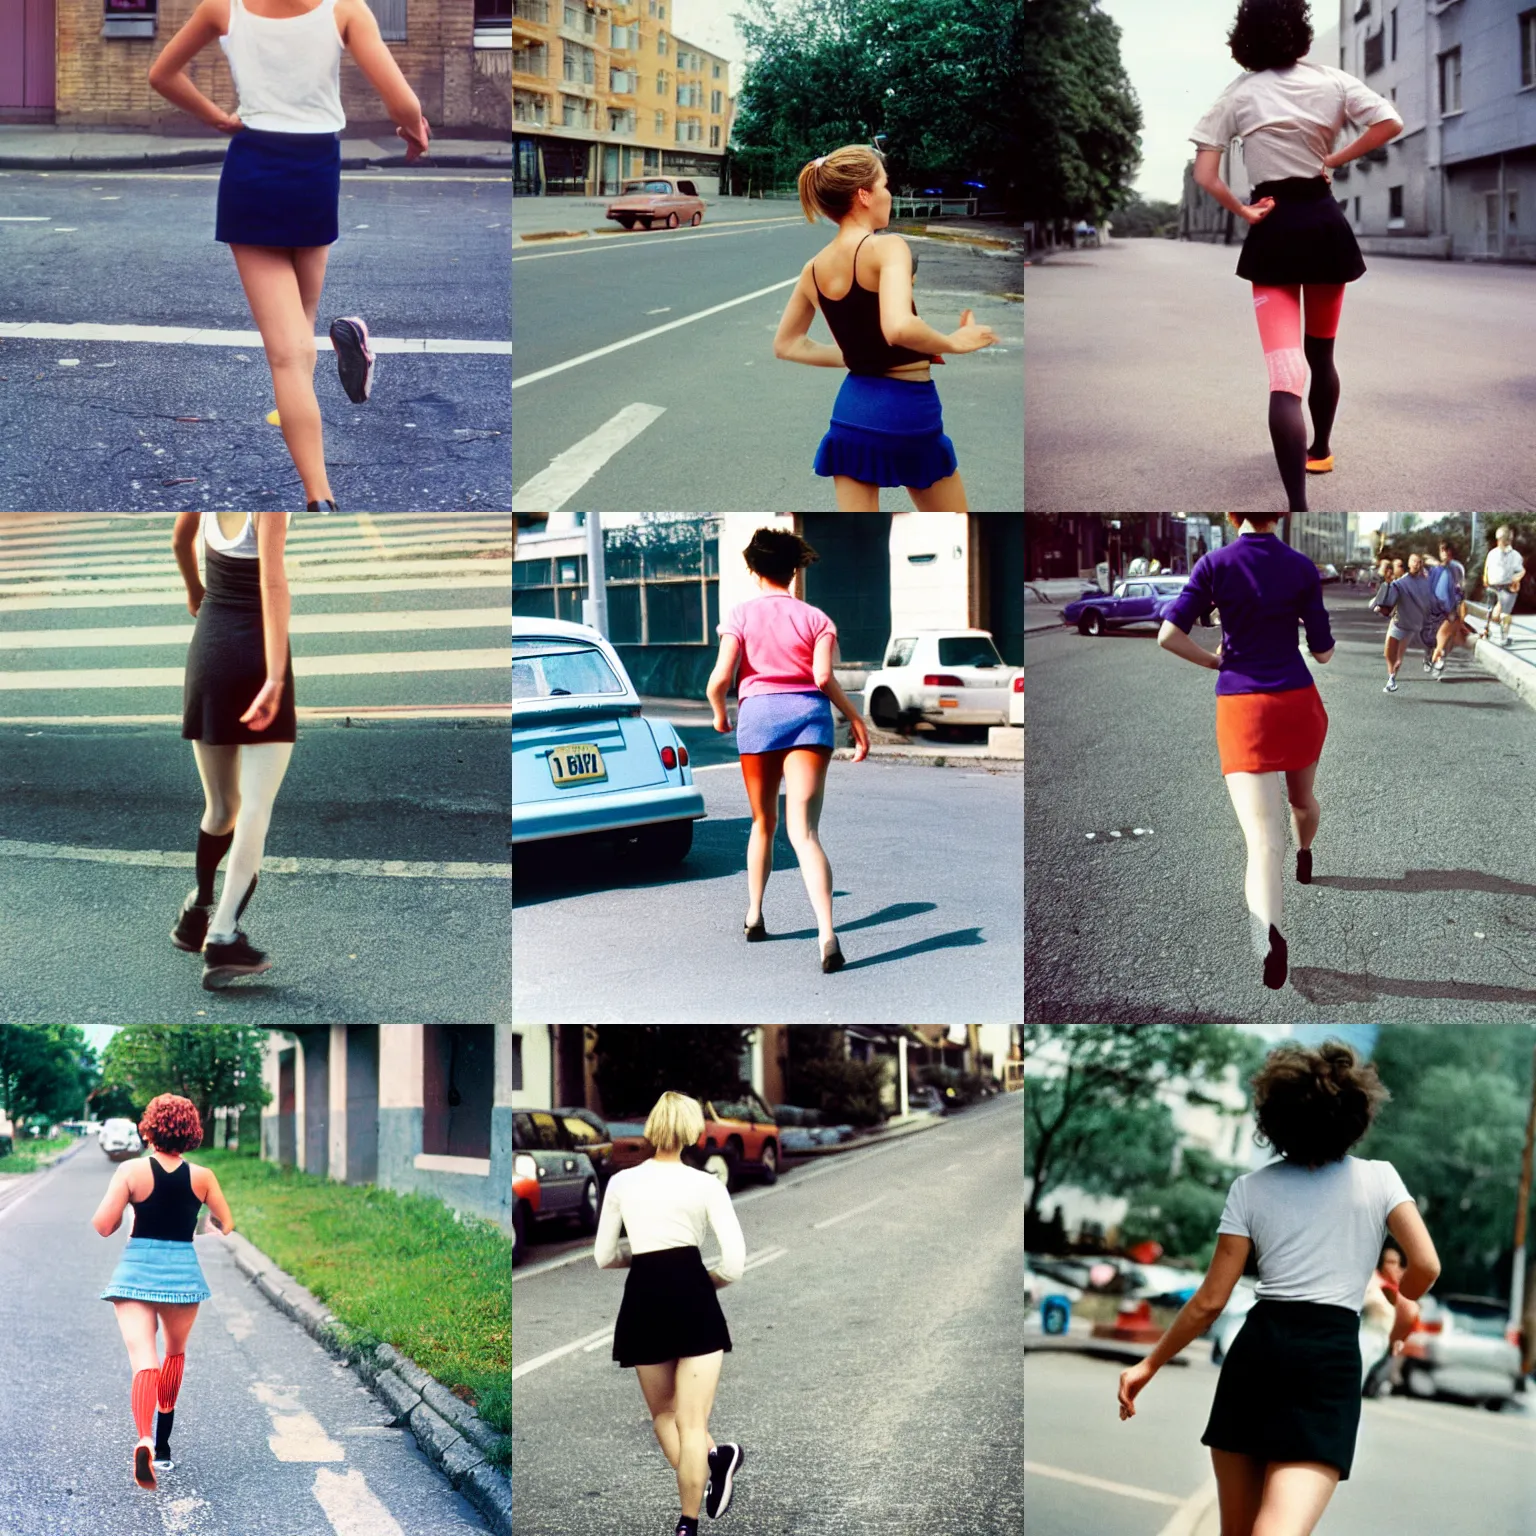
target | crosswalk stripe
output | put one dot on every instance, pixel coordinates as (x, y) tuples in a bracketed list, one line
[(552, 487), (154, 597), (375, 663), (194, 336), (400, 621)]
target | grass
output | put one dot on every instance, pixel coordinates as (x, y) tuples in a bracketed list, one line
[(394, 1268), (28, 1153)]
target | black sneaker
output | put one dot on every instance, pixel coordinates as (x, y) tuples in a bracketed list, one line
[(354, 361), (724, 1461), (222, 963), (192, 925), (162, 1458)]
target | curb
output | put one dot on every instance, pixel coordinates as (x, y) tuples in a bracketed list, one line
[(854, 1143), (1519, 677), (450, 1433), (936, 759)]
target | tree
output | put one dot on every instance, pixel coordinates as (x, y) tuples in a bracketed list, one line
[(214, 1065), (46, 1070), (636, 1064), (1142, 218), (1182, 1213)]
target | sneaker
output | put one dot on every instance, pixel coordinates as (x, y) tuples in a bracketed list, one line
[(724, 1461), (143, 1464), (354, 361), (1391, 685), (1429, 667), (163, 1462), (1440, 666), (192, 925), (222, 963)]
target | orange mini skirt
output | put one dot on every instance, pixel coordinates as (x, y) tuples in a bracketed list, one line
[(1270, 732)]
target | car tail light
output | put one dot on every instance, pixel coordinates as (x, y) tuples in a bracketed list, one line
[(1512, 1336), (941, 680), (1018, 683), (1415, 1348), (668, 758), (682, 753)]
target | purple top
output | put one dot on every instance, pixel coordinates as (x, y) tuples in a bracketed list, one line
[(1263, 587)]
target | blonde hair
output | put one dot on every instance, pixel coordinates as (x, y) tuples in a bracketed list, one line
[(675, 1122), (830, 185)]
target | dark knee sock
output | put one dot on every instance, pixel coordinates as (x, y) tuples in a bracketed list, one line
[(1288, 432), (211, 848), (163, 1422), (1323, 397)]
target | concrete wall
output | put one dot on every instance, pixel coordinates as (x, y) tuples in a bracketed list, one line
[(538, 1086), (928, 592)]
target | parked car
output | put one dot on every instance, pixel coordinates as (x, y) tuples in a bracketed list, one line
[(664, 200), (1016, 701), (119, 1139), (740, 1136), (557, 1179), (944, 676), (926, 1097), (585, 761), (1463, 1348), (629, 1144), (1326, 572), (1140, 601), (590, 1132)]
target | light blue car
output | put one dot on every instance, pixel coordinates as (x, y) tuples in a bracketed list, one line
[(585, 762)]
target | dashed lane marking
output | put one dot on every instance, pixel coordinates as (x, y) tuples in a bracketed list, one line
[(297, 1435), (352, 1507), (192, 336), (617, 242), (1104, 1485), (154, 858), (552, 487), (858, 1210), (539, 1361)]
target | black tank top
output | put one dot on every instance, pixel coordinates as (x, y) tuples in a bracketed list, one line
[(854, 321), (169, 1212)]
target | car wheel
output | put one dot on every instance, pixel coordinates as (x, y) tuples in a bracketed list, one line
[(664, 844), (671, 221), (1496, 1404), (519, 1236), (1092, 622), (628, 223), (696, 220), (587, 1217), (719, 1164), (770, 1170)]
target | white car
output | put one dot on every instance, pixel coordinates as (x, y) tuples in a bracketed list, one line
[(119, 1139), (944, 676), (1016, 701)]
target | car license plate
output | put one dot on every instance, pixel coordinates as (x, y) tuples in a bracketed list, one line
[(578, 764)]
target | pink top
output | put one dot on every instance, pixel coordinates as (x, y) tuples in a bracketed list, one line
[(777, 635)]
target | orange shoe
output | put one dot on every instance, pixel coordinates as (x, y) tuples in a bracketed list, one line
[(1320, 466)]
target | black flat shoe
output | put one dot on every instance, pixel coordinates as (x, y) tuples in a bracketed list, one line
[(1304, 865), (1276, 961), (191, 925), (325, 508), (354, 357), (755, 932), (832, 955), (222, 963)]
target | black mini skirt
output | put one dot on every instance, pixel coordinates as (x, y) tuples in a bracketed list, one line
[(1289, 1388), (669, 1311), (227, 661), (1304, 238)]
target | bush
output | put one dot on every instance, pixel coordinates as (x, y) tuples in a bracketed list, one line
[(843, 1090)]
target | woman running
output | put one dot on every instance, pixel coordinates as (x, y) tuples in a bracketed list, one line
[(1286, 1412), (887, 428), (784, 723), (158, 1280), (281, 183), (1269, 717), (670, 1329), (238, 713), (1299, 248)]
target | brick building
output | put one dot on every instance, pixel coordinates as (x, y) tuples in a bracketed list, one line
[(603, 91), (85, 63)]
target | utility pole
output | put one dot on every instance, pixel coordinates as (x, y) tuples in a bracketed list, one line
[(594, 607), (1522, 1205)]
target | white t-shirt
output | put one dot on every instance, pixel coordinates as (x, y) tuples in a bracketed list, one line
[(1317, 1233), (1289, 119), (1502, 566), (667, 1205), (243, 546)]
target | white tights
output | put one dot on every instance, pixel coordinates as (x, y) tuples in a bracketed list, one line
[(240, 785), (1259, 800)]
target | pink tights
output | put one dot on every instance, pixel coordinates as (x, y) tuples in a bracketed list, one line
[(1279, 311)]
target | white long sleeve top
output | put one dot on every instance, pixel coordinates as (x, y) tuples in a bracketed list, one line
[(667, 1205)]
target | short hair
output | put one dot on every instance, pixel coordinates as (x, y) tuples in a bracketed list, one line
[(675, 1122), (830, 184), (171, 1123), (776, 554), (1270, 34), (1503, 529), (1448, 547), (1237, 519), (1313, 1105)]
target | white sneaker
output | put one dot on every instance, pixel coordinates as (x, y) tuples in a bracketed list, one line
[(1428, 668), (1440, 666), (1391, 685)]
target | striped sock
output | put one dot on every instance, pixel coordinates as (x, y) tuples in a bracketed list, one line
[(146, 1384), (170, 1381)]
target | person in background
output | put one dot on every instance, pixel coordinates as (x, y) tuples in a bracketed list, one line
[(1449, 579), (1412, 601), (1502, 573)]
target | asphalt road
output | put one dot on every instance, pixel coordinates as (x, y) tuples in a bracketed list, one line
[(875, 1376), (1150, 390), (1421, 1468), (927, 899), (738, 429), (1420, 906), (102, 432), (271, 1432), (384, 893)]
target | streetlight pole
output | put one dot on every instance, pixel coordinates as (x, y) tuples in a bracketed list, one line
[(594, 607), (1522, 1205)]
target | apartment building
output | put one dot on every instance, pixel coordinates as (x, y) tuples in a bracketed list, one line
[(603, 91)]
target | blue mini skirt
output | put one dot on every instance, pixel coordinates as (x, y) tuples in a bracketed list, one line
[(279, 189), (887, 432), (152, 1269), (772, 722)]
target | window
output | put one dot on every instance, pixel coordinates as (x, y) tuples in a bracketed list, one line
[(661, 45), (530, 59), (661, 121), (580, 64), (391, 17), (575, 113), (1392, 24), (531, 10), (620, 120), (1528, 49), (714, 136), (661, 82), (717, 71), (714, 102), (517, 1063), (623, 82), (528, 107), (1450, 82), (1394, 207), (458, 1071), (1374, 49)]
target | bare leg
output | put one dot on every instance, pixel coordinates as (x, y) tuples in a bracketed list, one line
[(805, 782), (1305, 810), (946, 495), (136, 1323), (1240, 1489), (697, 1378), (762, 772), (1295, 1495), (1258, 801), (1394, 654), (855, 495)]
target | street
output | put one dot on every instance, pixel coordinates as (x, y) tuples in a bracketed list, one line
[(1419, 907), (271, 1432), (928, 903), (702, 415), (384, 889), (875, 1376), (1149, 389), (173, 416), (1422, 1468)]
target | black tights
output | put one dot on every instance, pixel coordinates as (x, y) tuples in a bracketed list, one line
[(1288, 432), (1323, 397)]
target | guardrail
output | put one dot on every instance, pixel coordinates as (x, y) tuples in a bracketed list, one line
[(933, 207)]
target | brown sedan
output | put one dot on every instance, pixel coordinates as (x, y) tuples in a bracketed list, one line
[(663, 200)]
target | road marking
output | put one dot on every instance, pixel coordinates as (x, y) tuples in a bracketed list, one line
[(597, 1344), (358, 571), (539, 1361), (672, 238), (57, 560), (371, 663), (858, 1210), (300, 624), (1447, 1423), (656, 330), (1151, 1495), (195, 336), (27, 218), (567, 472), (176, 597), (237, 1320), (1188, 1515), (314, 714), (767, 1257), (298, 1434), (152, 858), (352, 1507)]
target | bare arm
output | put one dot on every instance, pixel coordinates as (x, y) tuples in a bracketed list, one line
[(792, 342), (276, 605), (725, 669), (184, 546), (1172, 638), (109, 1214), (1407, 1226), (1207, 175), (218, 1206), (360, 33), (168, 75), (902, 328), (1373, 138)]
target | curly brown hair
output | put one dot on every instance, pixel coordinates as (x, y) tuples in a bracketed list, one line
[(1270, 34), (776, 554), (171, 1123), (1313, 1105)]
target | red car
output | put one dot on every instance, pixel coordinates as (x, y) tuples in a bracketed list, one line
[(740, 1136)]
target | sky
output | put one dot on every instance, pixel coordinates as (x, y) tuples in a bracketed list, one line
[(1175, 52), (709, 23)]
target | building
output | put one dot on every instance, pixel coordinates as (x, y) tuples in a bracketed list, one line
[(1089, 546), (423, 1108), (603, 92), (85, 63)]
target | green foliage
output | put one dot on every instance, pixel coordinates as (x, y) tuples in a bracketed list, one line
[(1182, 1212), (28, 1154), (1139, 217), (46, 1071), (214, 1065), (636, 1064), (846, 1091)]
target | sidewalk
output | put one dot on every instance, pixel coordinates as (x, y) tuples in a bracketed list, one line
[(43, 147), (1515, 667)]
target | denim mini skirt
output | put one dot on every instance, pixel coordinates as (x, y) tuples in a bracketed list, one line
[(772, 722), (152, 1269), (279, 189), (887, 432)]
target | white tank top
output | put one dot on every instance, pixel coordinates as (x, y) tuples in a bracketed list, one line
[(244, 547), (287, 73)]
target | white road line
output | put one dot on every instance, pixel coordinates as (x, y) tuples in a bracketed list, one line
[(214, 176), (352, 1507), (951, 1168), (597, 1344), (616, 243), (197, 336), (858, 1210), (519, 1371), (151, 858), (658, 330), (758, 1260), (418, 621), (373, 663), (567, 472), (1188, 1515), (26, 218), (58, 560), (312, 713), (333, 574), (297, 1434), (1151, 1495), (176, 597)]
